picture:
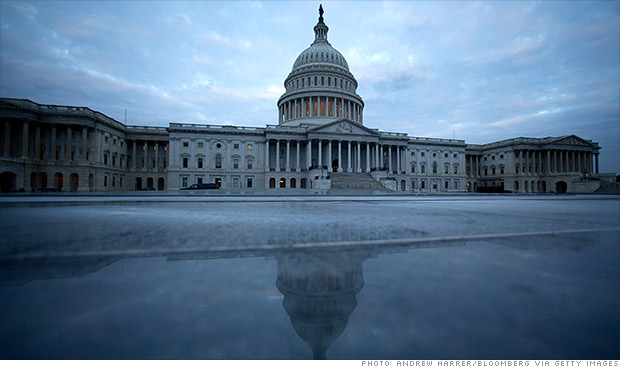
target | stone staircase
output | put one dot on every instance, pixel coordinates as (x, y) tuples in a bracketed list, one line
[(354, 181)]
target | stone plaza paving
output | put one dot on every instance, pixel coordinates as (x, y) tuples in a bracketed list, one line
[(37, 225)]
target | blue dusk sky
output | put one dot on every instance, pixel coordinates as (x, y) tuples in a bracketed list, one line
[(479, 71)]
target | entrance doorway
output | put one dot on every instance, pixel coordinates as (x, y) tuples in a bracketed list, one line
[(335, 165), (8, 181), (561, 187)]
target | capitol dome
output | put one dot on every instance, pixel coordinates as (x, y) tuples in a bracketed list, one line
[(320, 88)]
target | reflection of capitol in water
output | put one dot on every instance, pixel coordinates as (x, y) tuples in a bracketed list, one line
[(319, 291), (319, 281)]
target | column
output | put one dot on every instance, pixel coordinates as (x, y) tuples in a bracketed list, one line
[(367, 157), (84, 143), (359, 157), (25, 140), (399, 158), (349, 166), (596, 163), (377, 162), (53, 143), (339, 156), (390, 158), (320, 154), (548, 168), (69, 144), (288, 155), (297, 169), (37, 142), (308, 153), (133, 157), (477, 166), (7, 139), (145, 156), (574, 165), (329, 155), (156, 149), (266, 155), (278, 155), (527, 162), (579, 162)]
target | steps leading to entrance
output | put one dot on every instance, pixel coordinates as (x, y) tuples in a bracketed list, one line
[(357, 181)]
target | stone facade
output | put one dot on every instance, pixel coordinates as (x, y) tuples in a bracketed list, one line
[(319, 143)]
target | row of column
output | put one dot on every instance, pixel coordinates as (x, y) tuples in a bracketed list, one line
[(556, 161), (24, 141), (377, 155), (146, 147), (320, 106)]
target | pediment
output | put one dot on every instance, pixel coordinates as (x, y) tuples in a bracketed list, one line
[(572, 140), (345, 127)]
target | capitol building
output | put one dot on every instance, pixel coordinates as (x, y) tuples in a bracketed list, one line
[(320, 143)]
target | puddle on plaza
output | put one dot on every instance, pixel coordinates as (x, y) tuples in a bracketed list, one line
[(544, 296)]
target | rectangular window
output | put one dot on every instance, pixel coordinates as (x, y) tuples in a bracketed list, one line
[(322, 108), (235, 146), (250, 147), (200, 163), (447, 185), (105, 181), (315, 108), (456, 185), (236, 163), (201, 145), (329, 108), (199, 180), (249, 183), (250, 164), (235, 182), (185, 162), (446, 169), (218, 181), (184, 181), (185, 144)]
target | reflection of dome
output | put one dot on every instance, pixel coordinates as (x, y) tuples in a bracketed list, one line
[(319, 295), (320, 88)]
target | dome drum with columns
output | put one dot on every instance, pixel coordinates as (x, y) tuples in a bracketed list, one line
[(320, 88)]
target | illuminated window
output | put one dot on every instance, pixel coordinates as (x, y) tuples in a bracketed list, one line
[(315, 108), (250, 147), (329, 108)]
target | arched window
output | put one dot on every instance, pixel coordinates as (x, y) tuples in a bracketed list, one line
[(293, 183), (282, 183), (218, 161), (272, 183), (302, 183)]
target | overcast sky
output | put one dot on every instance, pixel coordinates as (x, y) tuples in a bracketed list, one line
[(480, 71)]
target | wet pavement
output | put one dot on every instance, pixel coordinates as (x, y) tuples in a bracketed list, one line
[(463, 277)]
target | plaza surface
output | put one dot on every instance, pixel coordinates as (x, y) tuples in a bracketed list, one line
[(343, 277)]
